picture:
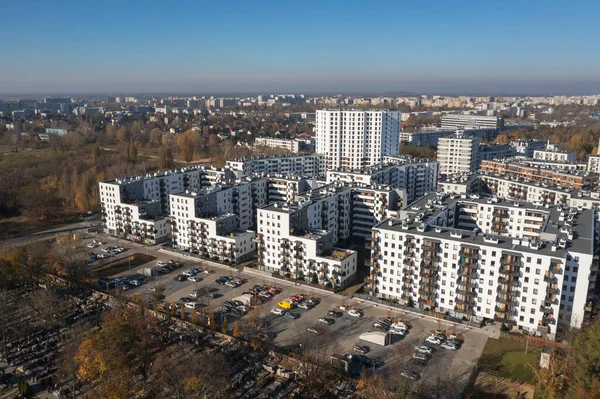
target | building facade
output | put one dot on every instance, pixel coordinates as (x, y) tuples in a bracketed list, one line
[(485, 259), (355, 139), (458, 154)]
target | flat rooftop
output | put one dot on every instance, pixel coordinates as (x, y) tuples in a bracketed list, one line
[(432, 205)]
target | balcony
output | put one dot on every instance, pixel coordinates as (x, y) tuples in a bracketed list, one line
[(469, 301), (546, 309), (511, 262), (468, 275), (409, 252), (507, 300), (510, 272), (552, 291), (551, 279), (505, 281), (465, 282), (407, 279), (469, 254), (555, 268), (433, 248), (548, 320), (543, 329), (466, 292), (508, 292)]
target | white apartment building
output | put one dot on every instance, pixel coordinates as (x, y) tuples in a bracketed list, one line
[(294, 240), (458, 154), (485, 259), (554, 155), (132, 203), (522, 190), (288, 144), (355, 139), (495, 151), (430, 136), (527, 147), (454, 122), (310, 165), (287, 188), (415, 177), (593, 165), (203, 224)]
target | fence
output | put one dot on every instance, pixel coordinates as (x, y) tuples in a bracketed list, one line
[(532, 341)]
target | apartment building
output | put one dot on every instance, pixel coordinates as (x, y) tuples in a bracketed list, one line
[(463, 184), (355, 139), (458, 154), (309, 165), (518, 189), (414, 176), (527, 147), (135, 205), (298, 239), (454, 122), (558, 156), (495, 151), (287, 144), (287, 188), (215, 221), (575, 179), (593, 164), (430, 136), (488, 259)]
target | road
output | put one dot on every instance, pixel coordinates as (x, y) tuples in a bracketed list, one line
[(198, 161), (49, 234)]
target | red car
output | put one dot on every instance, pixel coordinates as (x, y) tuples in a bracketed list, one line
[(296, 298)]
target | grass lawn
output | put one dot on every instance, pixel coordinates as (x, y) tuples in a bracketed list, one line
[(508, 359)]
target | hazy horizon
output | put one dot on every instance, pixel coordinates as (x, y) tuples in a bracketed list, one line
[(533, 48)]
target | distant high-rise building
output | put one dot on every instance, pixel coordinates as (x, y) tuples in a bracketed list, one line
[(458, 154), (354, 139), (471, 121)]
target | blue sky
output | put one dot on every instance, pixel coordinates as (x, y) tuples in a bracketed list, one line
[(304, 46)]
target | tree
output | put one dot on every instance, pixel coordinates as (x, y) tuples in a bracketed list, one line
[(185, 147), (224, 325), (584, 360), (158, 292), (237, 332), (165, 158)]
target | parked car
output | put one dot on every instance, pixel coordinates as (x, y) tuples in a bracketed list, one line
[(410, 374), (424, 349), (420, 356), (296, 298), (304, 305), (285, 304), (191, 305), (291, 315), (335, 313), (161, 263), (195, 293), (265, 295), (433, 340), (135, 283), (188, 273), (354, 313), (185, 299), (230, 284), (91, 245), (278, 311), (326, 320), (313, 330), (360, 349), (381, 326), (195, 279), (449, 346), (180, 277)]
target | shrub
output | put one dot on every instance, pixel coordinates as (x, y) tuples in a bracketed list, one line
[(504, 328)]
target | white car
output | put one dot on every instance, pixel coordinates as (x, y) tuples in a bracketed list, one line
[(265, 295), (194, 279), (420, 356), (424, 349), (161, 263), (397, 331), (91, 245), (191, 305), (449, 346), (135, 282), (354, 313), (433, 340), (188, 273), (278, 311)]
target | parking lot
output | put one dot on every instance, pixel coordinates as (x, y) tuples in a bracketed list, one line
[(453, 367)]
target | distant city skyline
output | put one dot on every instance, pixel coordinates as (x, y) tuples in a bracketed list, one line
[(535, 48)]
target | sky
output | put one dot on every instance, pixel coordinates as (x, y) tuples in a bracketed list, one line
[(327, 46)]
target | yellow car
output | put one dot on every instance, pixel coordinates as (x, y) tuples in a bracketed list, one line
[(285, 304)]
